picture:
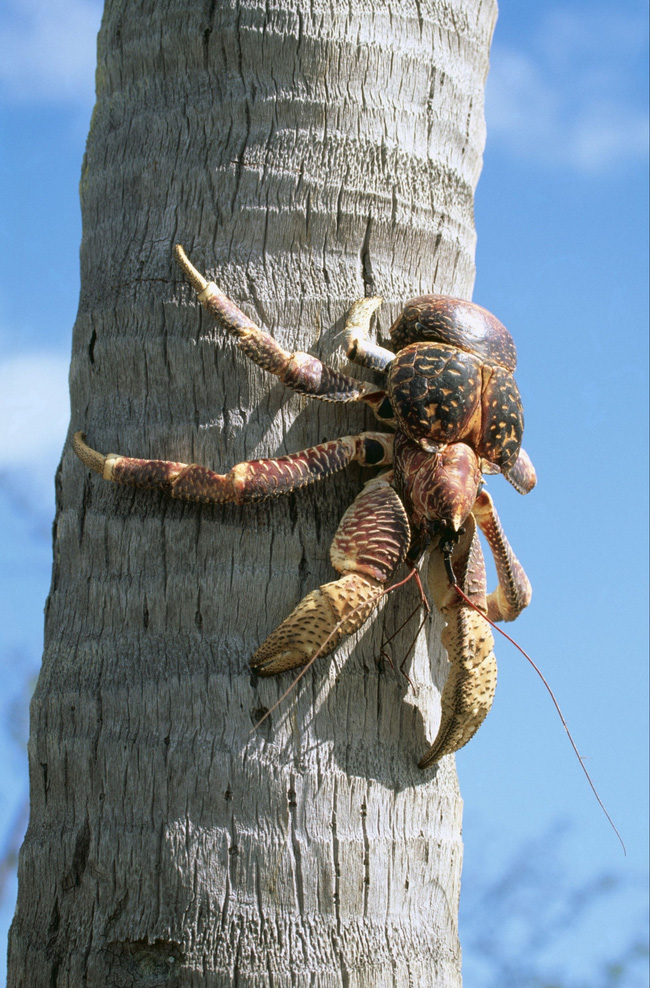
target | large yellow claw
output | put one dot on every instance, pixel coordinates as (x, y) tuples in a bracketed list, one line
[(318, 624), (469, 691), (371, 541)]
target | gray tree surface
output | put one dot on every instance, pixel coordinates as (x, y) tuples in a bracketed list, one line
[(304, 153)]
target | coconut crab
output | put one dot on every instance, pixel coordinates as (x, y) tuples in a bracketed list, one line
[(453, 402)]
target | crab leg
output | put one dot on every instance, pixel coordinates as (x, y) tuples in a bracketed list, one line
[(521, 475), (256, 480), (514, 590), (299, 371), (469, 690), (357, 328), (371, 541)]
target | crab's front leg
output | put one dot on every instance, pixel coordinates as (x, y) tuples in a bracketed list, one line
[(514, 590), (358, 345), (299, 371), (255, 480), (469, 690), (468, 693), (371, 541)]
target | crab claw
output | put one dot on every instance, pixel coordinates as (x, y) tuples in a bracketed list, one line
[(318, 624), (469, 690), (370, 543)]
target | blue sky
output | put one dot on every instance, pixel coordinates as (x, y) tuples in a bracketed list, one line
[(561, 213)]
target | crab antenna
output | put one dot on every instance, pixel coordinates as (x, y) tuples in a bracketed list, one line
[(195, 277), (557, 707), (423, 602), (323, 645)]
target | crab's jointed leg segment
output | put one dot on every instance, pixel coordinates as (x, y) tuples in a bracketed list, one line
[(256, 480), (371, 541), (514, 590), (522, 474), (469, 690), (299, 371), (357, 329)]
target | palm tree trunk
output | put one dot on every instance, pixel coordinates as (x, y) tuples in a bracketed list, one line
[(305, 154)]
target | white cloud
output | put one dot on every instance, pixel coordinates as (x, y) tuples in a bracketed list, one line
[(606, 135), (570, 100), (34, 406), (48, 50), (34, 417)]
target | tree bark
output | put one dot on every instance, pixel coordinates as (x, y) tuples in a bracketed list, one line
[(305, 153)]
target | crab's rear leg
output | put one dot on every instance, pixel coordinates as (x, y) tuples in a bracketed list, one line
[(469, 690), (514, 590), (299, 371), (371, 541), (255, 480)]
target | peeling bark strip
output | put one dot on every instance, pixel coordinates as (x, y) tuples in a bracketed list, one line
[(301, 151)]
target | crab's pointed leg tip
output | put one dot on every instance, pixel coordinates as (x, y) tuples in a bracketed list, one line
[(79, 444), (94, 460), (199, 283), (278, 662)]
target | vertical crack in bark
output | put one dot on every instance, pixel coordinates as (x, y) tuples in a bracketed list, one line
[(295, 847), (366, 857), (239, 163), (79, 857), (337, 861), (91, 346), (208, 32), (366, 263)]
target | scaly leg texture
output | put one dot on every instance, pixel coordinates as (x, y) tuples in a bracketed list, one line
[(471, 682), (255, 480), (370, 543)]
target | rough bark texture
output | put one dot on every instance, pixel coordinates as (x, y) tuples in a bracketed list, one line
[(305, 153)]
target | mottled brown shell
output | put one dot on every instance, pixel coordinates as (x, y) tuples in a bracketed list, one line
[(435, 391), (458, 323), (502, 419), (451, 379)]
